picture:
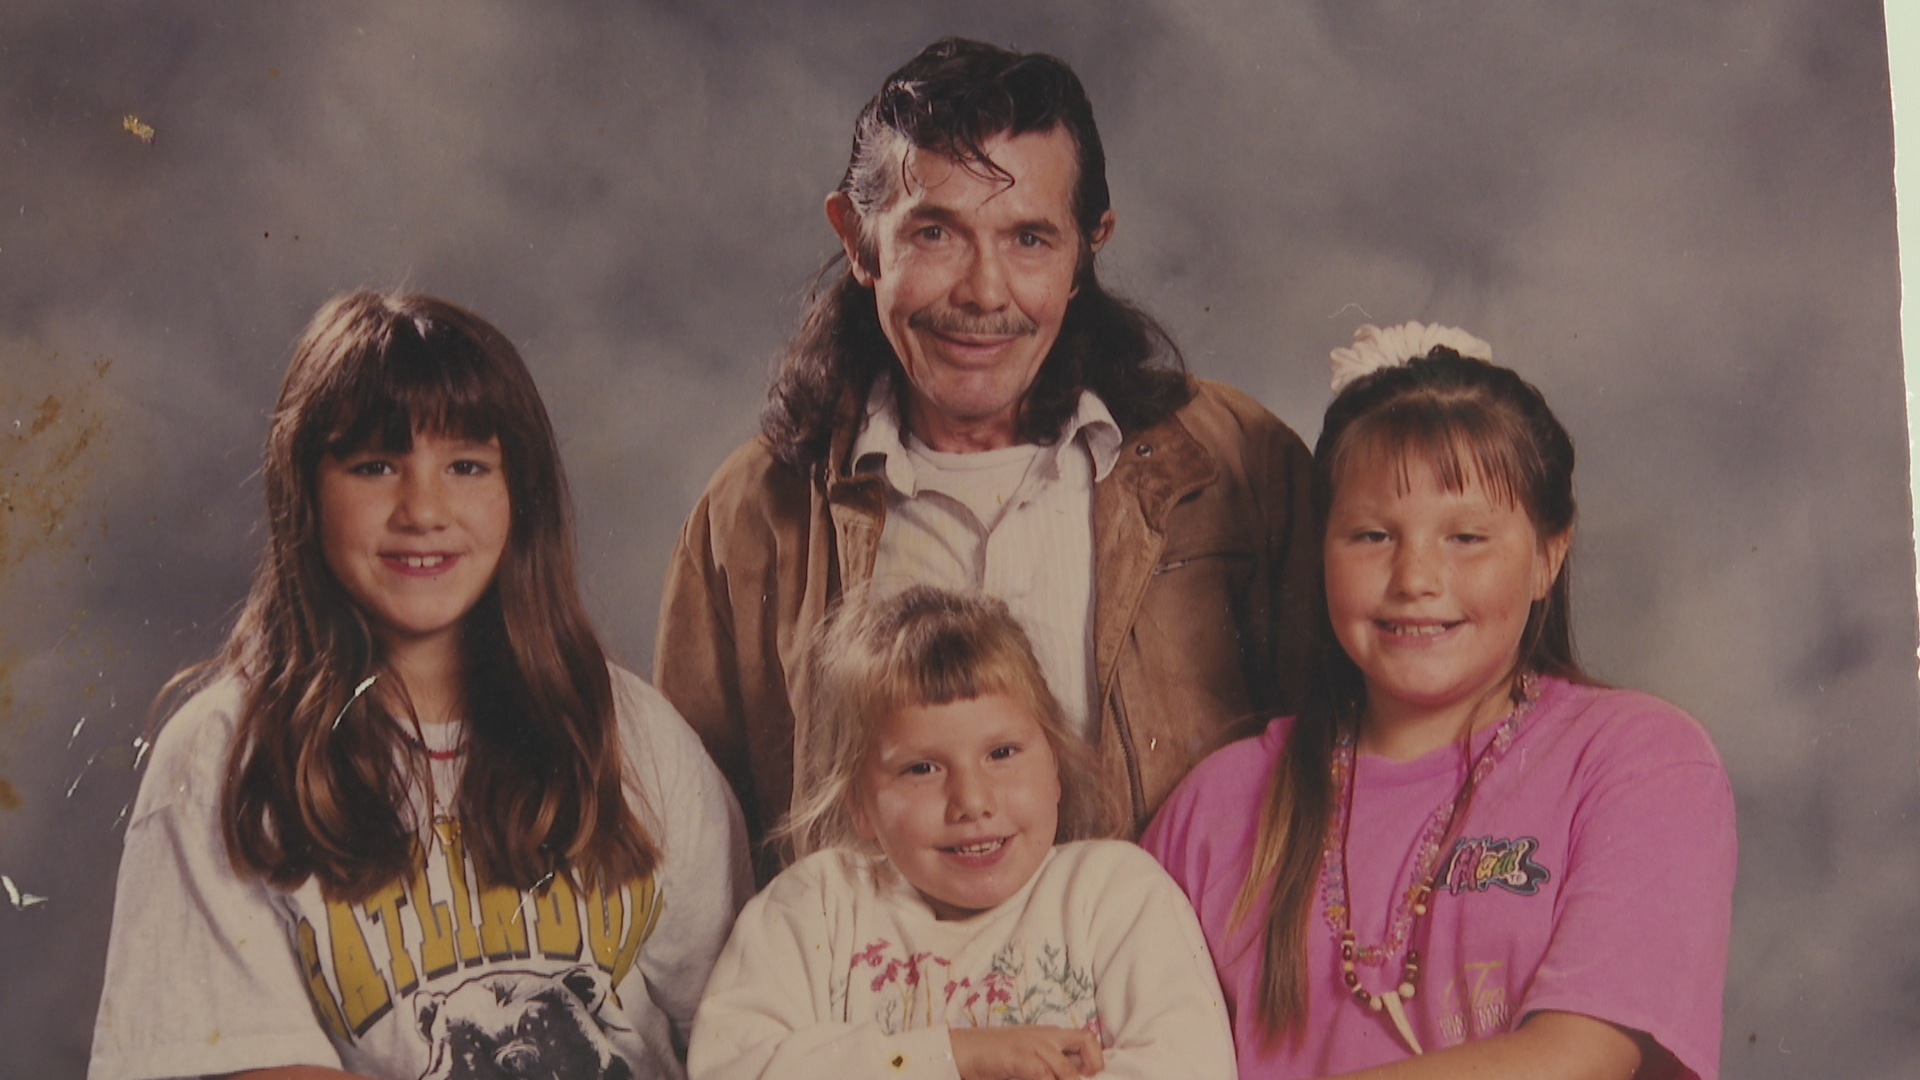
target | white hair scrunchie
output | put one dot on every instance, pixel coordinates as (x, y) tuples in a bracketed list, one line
[(1374, 348)]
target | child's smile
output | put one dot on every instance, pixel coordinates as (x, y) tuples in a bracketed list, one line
[(1429, 592), (964, 799)]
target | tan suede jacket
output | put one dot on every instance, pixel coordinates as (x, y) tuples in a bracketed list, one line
[(1206, 570)]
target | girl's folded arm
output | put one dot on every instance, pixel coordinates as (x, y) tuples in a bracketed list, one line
[(292, 1073), (772, 1009), (1160, 1001), (828, 1051), (1546, 1046)]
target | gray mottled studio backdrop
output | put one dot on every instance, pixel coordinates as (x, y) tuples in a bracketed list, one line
[(1676, 218)]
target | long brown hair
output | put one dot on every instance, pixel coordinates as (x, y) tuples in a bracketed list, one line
[(1469, 421), (922, 646), (318, 783)]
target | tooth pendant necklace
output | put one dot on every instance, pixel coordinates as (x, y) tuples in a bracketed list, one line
[(1416, 900)]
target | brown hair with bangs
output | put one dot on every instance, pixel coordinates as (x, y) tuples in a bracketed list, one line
[(923, 646), (318, 784), (1470, 422)]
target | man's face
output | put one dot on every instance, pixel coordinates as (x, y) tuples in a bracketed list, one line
[(972, 279)]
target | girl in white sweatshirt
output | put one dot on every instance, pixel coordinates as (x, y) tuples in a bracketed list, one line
[(944, 920)]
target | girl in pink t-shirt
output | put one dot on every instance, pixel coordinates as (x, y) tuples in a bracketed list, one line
[(1462, 857)]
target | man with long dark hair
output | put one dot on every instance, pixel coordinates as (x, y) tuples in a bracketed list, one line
[(965, 405)]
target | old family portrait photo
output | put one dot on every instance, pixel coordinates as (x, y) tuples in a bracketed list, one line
[(998, 540)]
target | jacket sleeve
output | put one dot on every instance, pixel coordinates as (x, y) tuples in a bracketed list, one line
[(770, 1008), (744, 583), (695, 660)]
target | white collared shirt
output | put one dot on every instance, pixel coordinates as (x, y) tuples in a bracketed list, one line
[(1015, 523)]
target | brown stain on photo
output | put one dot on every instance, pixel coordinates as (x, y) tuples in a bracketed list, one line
[(54, 421), (45, 470), (45, 415)]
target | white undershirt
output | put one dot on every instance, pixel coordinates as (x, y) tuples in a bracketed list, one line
[(1015, 523), (984, 481)]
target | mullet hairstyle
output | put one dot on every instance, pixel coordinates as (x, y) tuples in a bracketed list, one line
[(1469, 421), (320, 782), (951, 100), (923, 646)]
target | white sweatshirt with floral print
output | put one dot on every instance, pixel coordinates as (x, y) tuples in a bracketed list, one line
[(840, 970)]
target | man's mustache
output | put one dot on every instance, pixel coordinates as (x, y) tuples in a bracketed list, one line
[(948, 321)]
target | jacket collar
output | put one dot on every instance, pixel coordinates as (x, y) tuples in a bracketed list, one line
[(1152, 471), (879, 446)]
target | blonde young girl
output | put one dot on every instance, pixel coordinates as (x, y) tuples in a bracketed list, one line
[(411, 823), (934, 927), (1462, 858)]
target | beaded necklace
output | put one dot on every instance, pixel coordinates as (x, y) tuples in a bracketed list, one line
[(420, 745), (1413, 903)]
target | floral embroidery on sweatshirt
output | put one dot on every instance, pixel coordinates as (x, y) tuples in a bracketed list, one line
[(1022, 985)]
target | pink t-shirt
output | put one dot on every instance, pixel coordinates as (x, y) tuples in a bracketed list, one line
[(1593, 874)]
